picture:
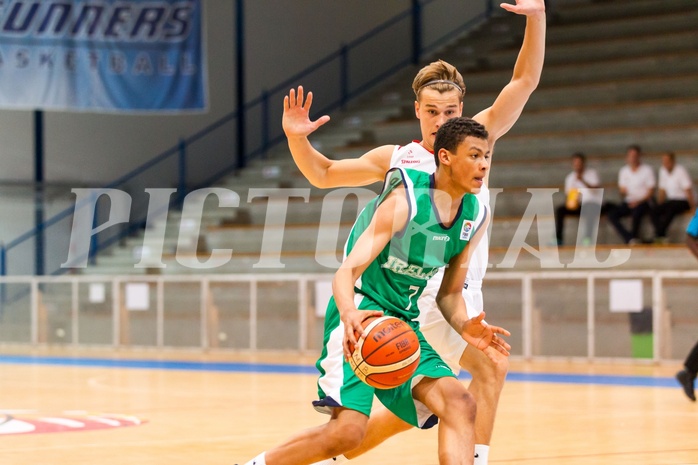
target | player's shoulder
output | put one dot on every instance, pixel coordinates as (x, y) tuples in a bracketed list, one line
[(407, 172), (395, 190), (396, 177)]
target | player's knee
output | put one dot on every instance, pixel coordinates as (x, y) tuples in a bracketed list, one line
[(500, 369), (342, 439), (491, 372), (463, 404)]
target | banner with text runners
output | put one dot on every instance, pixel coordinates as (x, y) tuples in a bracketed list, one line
[(102, 55)]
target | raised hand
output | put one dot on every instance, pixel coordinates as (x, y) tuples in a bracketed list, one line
[(296, 119), (525, 7), (482, 335)]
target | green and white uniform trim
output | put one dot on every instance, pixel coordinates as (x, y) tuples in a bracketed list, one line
[(392, 283)]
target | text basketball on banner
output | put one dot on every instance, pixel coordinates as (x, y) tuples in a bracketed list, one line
[(102, 55)]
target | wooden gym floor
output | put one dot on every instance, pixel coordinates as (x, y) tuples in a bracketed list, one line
[(221, 409)]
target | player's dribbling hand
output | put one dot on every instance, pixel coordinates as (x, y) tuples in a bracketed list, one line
[(352, 320), (296, 119), (482, 335)]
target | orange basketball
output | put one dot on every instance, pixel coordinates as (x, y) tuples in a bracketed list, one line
[(388, 356)]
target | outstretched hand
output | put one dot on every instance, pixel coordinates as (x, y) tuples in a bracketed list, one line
[(525, 7), (296, 119), (482, 335)]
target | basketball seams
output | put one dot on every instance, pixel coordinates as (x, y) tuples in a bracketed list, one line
[(368, 356), (375, 378), (380, 369)]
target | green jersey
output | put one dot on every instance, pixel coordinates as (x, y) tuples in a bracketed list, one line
[(397, 277)]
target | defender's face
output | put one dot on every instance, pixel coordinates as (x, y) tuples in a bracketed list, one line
[(433, 109), (469, 164)]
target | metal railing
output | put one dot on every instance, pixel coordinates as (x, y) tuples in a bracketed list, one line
[(550, 314), (205, 157)]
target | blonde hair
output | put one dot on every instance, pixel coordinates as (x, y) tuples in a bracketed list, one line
[(440, 76)]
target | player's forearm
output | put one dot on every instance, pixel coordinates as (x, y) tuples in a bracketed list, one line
[(505, 111), (452, 307), (343, 289), (311, 163), (529, 64)]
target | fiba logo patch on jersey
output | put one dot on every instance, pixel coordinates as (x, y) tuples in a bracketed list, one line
[(466, 231)]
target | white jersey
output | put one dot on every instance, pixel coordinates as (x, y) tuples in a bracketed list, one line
[(414, 156)]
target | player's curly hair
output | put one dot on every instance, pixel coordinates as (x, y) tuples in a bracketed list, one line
[(454, 131)]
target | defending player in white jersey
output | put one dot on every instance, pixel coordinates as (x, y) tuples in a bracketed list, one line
[(439, 91)]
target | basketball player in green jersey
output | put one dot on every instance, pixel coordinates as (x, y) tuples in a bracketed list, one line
[(439, 91), (417, 225)]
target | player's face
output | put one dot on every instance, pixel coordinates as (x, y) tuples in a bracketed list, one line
[(470, 164), (433, 109)]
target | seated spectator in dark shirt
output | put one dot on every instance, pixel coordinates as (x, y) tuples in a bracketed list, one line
[(636, 183), (580, 187), (674, 195)]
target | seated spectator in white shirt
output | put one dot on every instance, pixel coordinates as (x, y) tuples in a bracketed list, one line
[(636, 183), (580, 187), (674, 195)]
